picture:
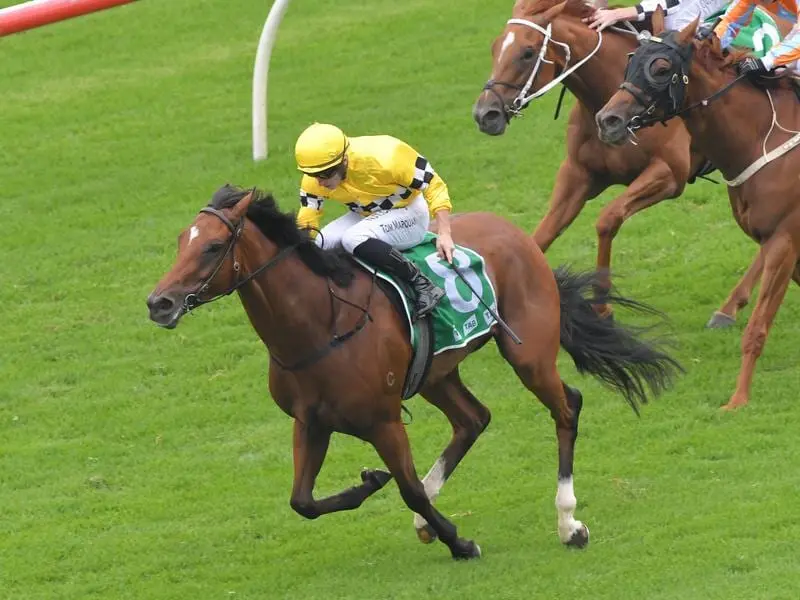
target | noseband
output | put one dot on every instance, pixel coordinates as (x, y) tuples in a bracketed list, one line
[(523, 98), (193, 299), (667, 91), (650, 91)]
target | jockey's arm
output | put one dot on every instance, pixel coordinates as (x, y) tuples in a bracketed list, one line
[(606, 17), (438, 200), (787, 51), (310, 213), (738, 14), (414, 171)]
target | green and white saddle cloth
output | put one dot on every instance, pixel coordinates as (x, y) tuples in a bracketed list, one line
[(460, 317), (760, 35)]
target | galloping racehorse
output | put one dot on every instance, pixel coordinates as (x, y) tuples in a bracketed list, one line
[(339, 350), (676, 75), (545, 43)]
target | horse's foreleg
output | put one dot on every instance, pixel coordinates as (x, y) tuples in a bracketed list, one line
[(391, 442), (574, 185), (780, 260), (468, 417), (310, 447), (656, 183), (739, 297)]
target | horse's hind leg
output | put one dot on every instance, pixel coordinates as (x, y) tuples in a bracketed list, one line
[(310, 447), (739, 297), (539, 375), (391, 442), (469, 418)]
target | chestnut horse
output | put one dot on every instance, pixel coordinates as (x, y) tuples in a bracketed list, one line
[(546, 42), (676, 75), (339, 350)]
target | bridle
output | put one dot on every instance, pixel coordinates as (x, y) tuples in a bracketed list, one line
[(193, 299), (668, 91), (524, 98)]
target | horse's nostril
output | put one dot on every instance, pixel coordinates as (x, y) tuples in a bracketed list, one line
[(160, 304), (492, 115), (612, 121)]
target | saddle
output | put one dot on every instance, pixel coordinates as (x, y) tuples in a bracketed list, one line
[(420, 332)]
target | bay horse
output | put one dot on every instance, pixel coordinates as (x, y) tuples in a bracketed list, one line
[(677, 75), (339, 350), (546, 42)]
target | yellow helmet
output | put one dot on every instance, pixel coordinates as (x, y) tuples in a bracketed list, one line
[(320, 147)]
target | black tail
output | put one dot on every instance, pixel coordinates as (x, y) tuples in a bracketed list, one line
[(618, 356)]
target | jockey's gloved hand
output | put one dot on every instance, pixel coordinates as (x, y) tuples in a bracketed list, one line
[(752, 65), (706, 30)]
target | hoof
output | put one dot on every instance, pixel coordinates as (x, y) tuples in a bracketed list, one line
[(375, 478), (579, 539), (734, 404), (466, 550), (720, 320), (427, 535), (605, 312)]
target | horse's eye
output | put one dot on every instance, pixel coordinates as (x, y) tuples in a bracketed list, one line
[(214, 247), (528, 54), (660, 71)]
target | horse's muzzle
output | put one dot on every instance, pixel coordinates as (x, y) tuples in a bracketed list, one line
[(165, 309), (612, 128), (490, 117)]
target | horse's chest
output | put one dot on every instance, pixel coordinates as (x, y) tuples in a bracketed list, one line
[(619, 165), (757, 218)]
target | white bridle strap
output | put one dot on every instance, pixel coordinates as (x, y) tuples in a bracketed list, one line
[(522, 98)]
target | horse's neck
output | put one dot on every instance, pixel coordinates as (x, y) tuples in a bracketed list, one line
[(731, 129), (287, 304), (599, 78)]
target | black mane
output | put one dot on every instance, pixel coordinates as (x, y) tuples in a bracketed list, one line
[(282, 229)]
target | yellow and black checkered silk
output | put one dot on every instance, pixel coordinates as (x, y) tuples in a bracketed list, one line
[(382, 173)]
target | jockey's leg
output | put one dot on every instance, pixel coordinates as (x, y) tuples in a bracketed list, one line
[(377, 238), (331, 235)]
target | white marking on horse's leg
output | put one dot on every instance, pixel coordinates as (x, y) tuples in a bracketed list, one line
[(193, 233), (433, 483), (565, 504)]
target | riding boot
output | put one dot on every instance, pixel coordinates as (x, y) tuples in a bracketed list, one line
[(381, 255)]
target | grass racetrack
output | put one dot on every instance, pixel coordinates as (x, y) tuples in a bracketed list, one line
[(141, 463)]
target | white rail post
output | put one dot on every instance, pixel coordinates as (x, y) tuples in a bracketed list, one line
[(260, 73)]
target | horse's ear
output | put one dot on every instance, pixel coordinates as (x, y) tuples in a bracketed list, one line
[(687, 33), (240, 208), (553, 12), (658, 21)]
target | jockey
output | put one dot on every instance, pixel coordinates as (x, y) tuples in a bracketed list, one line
[(784, 54), (678, 13), (391, 192)]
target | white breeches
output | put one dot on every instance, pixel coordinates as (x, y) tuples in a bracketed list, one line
[(401, 228)]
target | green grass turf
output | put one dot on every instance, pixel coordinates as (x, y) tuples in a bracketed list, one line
[(140, 463)]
